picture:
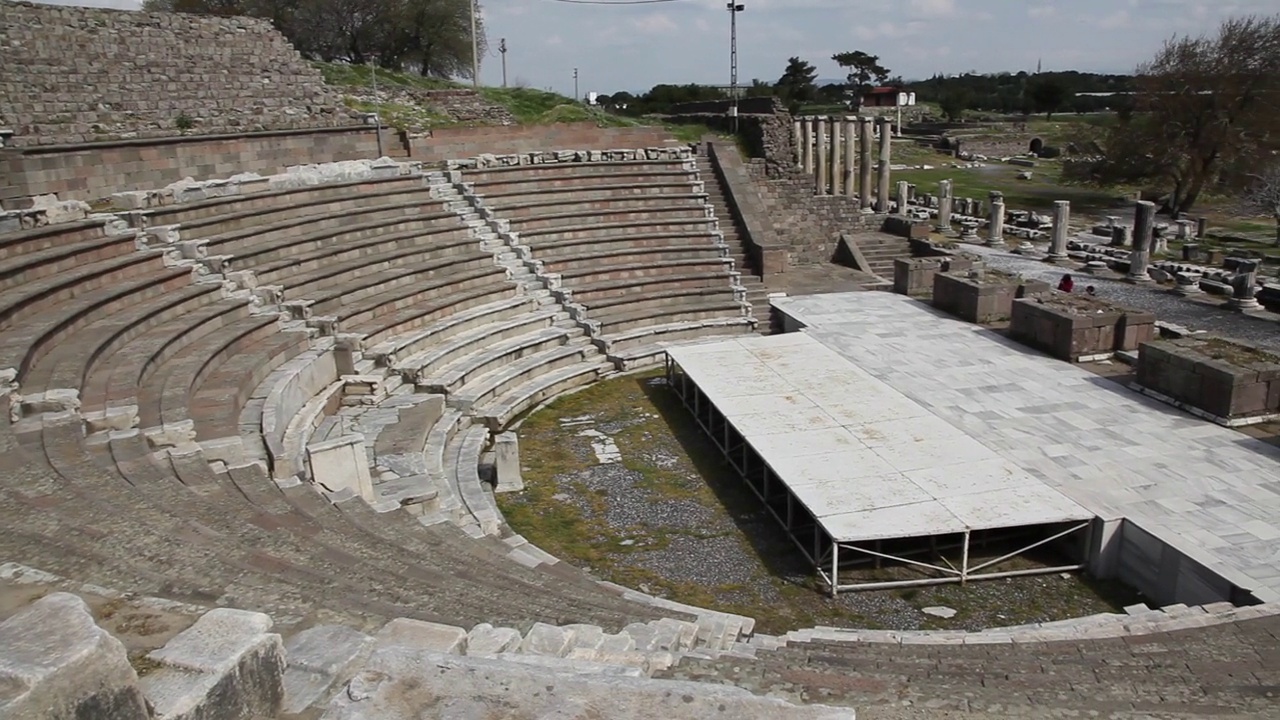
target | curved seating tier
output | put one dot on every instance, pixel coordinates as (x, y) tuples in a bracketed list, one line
[(174, 372), (639, 227)]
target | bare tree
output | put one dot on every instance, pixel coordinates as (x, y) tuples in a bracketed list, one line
[(1202, 104), (1264, 194)]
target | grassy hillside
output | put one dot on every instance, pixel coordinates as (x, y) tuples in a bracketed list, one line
[(528, 106)]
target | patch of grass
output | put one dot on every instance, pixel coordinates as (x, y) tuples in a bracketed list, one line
[(1038, 193), (526, 104), (341, 75), (402, 117)]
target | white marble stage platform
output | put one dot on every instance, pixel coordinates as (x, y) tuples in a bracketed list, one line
[(1208, 492)]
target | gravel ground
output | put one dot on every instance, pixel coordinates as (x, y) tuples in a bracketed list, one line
[(1166, 305), (673, 520)]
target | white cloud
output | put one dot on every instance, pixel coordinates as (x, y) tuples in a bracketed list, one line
[(1113, 21), (655, 23), (1042, 11), (933, 8)]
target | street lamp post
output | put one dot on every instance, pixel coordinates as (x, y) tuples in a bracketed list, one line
[(734, 9)]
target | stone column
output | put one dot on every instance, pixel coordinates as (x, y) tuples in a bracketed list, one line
[(820, 149), (1144, 219), (886, 150), (902, 197), (1058, 245), (1244, 286), (1202, 227), (850, 153), (1120, 236), (944, 206), (995, 232), (797, 133), (837, 153), (864, 162), (806, 153), (911, 192)]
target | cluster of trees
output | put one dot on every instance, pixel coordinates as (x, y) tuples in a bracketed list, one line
[(432, 37), (1206, 115), (797, 87), (1025, 93)]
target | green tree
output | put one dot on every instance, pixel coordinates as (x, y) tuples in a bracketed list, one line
[(864, 73), (796, 86), (954, 102), (1202, 104), (1048, 96)]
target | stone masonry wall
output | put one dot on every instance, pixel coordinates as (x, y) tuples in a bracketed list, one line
[(461, 142), (810, 225), (75, 75), (93, 171)]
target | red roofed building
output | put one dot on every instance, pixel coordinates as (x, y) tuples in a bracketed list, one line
[(881, 97)]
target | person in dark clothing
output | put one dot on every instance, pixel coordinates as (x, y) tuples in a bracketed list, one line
[(1066, 284)]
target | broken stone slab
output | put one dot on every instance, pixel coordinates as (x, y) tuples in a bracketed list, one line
[(939, 611), (170, 434), (466, 686), (422, 635), (543, 639), (318, 657), (58, 664), (485, 639), (124, 417), (226, 665), (575, 665), (57, 400)]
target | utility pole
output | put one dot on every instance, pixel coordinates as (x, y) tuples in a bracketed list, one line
[(377, 116), (575, 84), (475, 49), (734, 9), (502, 48)]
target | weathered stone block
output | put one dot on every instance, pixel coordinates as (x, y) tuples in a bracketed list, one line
[(422, 635), (227, 665), (984, 299), (1225, 380), (58, 664), (1068, 328), (914, 276)]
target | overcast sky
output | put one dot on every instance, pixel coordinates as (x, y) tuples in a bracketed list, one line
[(634, 47)]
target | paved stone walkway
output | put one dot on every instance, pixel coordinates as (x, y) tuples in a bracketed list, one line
[(1204, 314), (1208, 491), (1225, 671)]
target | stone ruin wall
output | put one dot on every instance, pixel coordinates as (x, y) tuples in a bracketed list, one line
[(92, 172), (994, 147), (808, 224), (77, 75)]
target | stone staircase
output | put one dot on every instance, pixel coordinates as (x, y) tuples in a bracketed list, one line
[(880, 250), (72, 648), (730, 227)]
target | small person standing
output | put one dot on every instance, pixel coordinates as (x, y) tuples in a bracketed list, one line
[(1066, 284)]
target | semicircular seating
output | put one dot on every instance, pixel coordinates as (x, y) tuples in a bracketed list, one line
[(137, 353), (633, 242)]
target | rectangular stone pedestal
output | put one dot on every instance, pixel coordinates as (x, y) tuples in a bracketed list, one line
[(914, 276), (1078, 329), (981, 301), (1230, 383)]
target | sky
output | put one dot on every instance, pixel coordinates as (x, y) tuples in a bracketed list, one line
[(634, 47)]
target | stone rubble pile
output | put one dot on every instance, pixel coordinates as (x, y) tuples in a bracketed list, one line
[(70, 79), (459, 105)]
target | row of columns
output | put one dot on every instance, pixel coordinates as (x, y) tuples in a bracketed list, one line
[(825, 147)]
